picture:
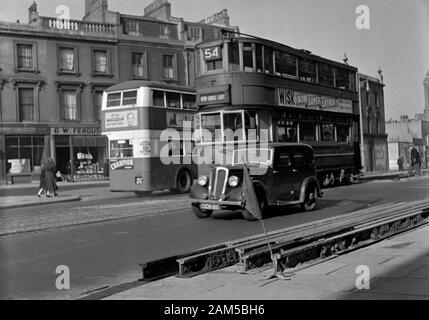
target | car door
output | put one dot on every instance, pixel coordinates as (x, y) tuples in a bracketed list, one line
[(284, 178), (301, 169)]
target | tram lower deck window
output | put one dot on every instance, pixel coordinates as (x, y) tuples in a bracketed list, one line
[(212, 127), (327, 132), (343, 133), (307, 131)]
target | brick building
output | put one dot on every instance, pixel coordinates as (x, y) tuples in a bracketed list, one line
[(53, 72), (375, 149)]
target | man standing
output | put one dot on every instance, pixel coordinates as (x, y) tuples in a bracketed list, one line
[(415, 162)]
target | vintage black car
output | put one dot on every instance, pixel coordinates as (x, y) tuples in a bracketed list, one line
[(287, 177)]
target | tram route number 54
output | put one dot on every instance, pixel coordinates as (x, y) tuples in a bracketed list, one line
[(212, 53)]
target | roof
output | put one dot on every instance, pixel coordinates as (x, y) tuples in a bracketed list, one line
[(135, 84)]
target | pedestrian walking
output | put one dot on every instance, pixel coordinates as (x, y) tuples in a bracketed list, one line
[(400, 163), (50, 178), (42, 178)]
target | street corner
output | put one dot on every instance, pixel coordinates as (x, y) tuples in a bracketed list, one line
[(11, 202)]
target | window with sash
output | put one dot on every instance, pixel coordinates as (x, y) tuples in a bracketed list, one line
[(67, 59), (69, 102), (98, 101), (169, 66), (101, 61), (138, 62), (25, 59), (26, 104)]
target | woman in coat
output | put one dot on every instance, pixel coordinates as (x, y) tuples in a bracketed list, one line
[(42, 184), (50, 178)]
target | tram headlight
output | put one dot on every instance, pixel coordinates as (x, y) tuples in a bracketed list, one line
[(202, 181), (233, 181)]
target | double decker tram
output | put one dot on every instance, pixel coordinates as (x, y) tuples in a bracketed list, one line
[(252, 83), (135, 114)]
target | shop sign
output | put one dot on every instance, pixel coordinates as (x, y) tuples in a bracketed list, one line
[(122, 164), (292, 98), (76, 131), (122, 119)]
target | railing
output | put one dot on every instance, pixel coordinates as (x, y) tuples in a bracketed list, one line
[(77, 26)]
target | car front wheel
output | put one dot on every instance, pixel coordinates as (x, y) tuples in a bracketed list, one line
[(310, 199), (201, 213)]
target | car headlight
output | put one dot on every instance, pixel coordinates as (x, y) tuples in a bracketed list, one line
[(202, 181), (233, 181)]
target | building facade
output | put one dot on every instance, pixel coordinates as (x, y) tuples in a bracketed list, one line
[(53, 73), (404, 134), (375, 156)]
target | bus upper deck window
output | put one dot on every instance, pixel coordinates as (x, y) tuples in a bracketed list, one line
[(158, 98), (173, 100), (129, 98), (114, 99), (189, 101)]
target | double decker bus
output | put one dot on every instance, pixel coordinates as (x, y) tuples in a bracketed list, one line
[(135, 113), (244, 82)]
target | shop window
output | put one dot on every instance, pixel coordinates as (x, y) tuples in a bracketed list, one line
[(307, 131), (307, 70), (67, 59), (121, 149), (343, 133), (26, 104), (248, 57), (285, 64), (138, 64), (69, 103), (169, 66), (268, 60), (24, 153), (342, 79), (327, 132), (173, 100), (326, 74)]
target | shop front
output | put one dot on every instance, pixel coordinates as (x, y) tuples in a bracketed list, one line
[(80, 153)]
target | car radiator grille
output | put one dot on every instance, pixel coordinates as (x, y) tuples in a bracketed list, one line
[(218, 182)]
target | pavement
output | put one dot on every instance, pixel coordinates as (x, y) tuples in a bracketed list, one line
[(394, 269)]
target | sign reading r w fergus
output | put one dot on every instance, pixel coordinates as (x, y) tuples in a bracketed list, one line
[(292, 98)]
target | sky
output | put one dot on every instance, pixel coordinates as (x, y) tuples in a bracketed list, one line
[(397, 41)]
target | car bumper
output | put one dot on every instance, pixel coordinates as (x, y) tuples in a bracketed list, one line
[(219, 202)]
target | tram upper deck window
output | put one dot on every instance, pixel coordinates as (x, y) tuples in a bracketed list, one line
[(212, 127), (268, 60), (307, 70), (342, 79), (248, 57), (173, 100), (234, 56), (307, 131), (326, 74), (353, 86), (213, 58), (328, 132), (259, 57), (158, 98), (285, 64), (214, 65), (343, 133)]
